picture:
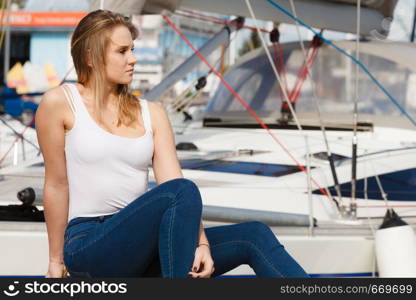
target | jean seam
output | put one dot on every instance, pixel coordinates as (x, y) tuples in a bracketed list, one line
[(157, 196), (170, 239), (256, 248), (182, 188), (76, 236)]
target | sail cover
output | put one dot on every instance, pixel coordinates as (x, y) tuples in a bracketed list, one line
[(339, 15), (386, 7)]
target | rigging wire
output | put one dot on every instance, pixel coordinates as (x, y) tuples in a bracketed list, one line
[(185, 100), (288, 100), (355, 60), (18, 137), (318, 109), (279, 80), (6, 123), (184, 95), (286, 97)]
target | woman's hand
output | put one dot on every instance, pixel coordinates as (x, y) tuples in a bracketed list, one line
[(56, 270), (203, 265)]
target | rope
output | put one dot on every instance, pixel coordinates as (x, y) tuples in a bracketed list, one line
[(17, 139), (280, 68), (304, 70), (355, 60), (249, 110)]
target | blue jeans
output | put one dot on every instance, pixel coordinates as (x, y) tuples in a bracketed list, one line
[(156, 236)]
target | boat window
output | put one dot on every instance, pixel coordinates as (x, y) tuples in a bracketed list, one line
[(324, 156), (239, 167), (334, 77)]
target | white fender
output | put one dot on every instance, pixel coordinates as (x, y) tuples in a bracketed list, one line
[(396, 250)]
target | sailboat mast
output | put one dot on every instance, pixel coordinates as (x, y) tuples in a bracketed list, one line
[(353, 205)]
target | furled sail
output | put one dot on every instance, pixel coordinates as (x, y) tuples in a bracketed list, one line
[(339, 15)]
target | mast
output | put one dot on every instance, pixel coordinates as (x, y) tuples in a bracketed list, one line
[(413, 33)]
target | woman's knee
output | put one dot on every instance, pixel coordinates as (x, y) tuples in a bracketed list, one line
[(177, 184), (258, 231), (186, 191)]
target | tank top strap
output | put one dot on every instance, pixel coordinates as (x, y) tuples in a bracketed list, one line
[(69, 97), (75, 97), (146, 114)]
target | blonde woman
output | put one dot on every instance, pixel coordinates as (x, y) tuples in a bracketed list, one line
[(97, 142)]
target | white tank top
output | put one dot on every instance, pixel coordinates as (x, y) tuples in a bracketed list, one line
[(105, 171)]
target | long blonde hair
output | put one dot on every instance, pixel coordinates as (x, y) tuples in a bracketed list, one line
[(92, 35)]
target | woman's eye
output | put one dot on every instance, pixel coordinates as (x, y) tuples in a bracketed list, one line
[(124, 51)]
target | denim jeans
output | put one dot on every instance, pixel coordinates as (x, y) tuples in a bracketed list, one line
[(156, 235)]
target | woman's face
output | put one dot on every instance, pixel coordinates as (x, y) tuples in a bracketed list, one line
[(120, 59)]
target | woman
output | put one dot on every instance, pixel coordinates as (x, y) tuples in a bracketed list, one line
[(97, 141)]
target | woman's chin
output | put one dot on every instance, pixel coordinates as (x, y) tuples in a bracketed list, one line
[(127, 81)]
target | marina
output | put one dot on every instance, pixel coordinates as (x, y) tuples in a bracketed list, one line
[(313, 137)]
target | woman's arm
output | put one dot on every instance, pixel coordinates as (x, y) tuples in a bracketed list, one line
[(51, 137), (165, 161)]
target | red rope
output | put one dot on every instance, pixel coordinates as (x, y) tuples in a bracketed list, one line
[(279, 70), (304, 71), (282, 62), (249, 110)]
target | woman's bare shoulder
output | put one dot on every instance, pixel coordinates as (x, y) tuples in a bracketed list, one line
[(53, 97), (54, 103)]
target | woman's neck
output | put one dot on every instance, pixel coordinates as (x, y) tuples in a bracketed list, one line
[(108, 93)]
